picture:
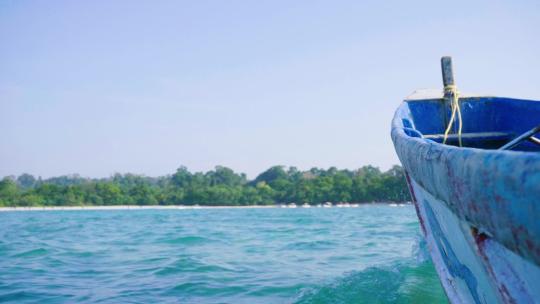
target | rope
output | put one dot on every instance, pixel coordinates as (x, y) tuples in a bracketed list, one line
[(452, 89)]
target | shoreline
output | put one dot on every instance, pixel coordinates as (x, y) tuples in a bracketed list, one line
[(173, 207), (126, 207)]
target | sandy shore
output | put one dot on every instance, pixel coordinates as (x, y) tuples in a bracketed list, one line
[(124, 207), (177, 207)]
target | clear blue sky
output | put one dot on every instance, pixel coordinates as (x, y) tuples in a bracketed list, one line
[(97, 87)]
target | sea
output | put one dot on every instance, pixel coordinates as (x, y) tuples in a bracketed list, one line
[(370, 254)]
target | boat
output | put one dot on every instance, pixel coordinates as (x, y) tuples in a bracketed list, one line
[(472, 164), (291, 205), (306, 205), (327, 205)]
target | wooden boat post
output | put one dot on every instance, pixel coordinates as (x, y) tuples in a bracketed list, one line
[(448, 81)]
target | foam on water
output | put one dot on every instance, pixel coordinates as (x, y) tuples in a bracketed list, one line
[(371, 254)]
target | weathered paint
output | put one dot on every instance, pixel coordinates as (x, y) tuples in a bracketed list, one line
[(460, 269), (479, 208), (515, 278)]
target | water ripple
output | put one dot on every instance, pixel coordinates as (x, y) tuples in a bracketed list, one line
[(349, 255)]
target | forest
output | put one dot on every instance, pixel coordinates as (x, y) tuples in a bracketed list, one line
[(221, 186)]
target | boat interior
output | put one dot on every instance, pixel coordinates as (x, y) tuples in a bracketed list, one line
[(487, 122)]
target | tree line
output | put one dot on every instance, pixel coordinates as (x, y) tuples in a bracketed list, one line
[(221, 186)]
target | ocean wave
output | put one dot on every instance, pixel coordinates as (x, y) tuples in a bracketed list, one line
[(310, 245), (188, 240), (31, 253), (399, 283), (190, 265)]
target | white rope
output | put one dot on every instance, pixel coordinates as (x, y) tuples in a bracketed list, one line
[(452, 89)]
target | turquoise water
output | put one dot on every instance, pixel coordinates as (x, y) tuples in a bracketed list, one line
[(371, 254)]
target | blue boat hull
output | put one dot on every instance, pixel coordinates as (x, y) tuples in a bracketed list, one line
[(479, 207)]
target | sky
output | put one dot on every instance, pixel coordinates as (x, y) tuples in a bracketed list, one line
[(98, 87)]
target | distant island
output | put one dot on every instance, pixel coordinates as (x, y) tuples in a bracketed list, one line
[(218, 187)]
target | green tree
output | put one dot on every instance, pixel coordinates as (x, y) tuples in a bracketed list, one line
[(26, 181), (8, 192), (216, 187), (110, 194)]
